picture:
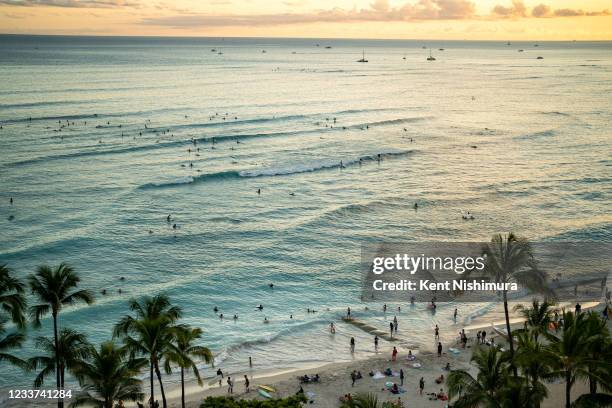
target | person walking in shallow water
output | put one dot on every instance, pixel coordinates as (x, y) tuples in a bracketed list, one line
[(352, 344)]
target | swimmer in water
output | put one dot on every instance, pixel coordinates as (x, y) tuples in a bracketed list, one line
[(266, 320), (271, 286), (168, 218), (416, 206), (11, 200), (215, 309), (259, 191), (235, 317), (174, 226)]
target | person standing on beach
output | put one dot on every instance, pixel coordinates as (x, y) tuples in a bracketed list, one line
[(439, 349), (353, 378), (348, 312), (483, 336), (246, 383), (401, 376), (394, 354), (375, 343), (455, 315), (421, 385), (230, 385), (437, 333), (352, 344), (395, 323), (391, 328)]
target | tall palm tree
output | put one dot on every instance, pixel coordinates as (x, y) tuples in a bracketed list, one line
[(538, 316), (54, 288), (108, 375), (485, 389), (569, 352), (12, 307), (182, 352), (150, 332), (599, 350), (511, 259), (65, 354), (532, 359)]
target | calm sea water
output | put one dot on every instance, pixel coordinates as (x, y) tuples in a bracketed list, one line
[(524, 144)]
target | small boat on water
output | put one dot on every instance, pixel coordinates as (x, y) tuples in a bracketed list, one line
[(363, 58), (430, 58)]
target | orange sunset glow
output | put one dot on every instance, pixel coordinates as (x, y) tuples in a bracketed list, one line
[(444, 19)]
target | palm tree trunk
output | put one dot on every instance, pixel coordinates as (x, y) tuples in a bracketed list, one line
[(592, 383), (161, 385), (568, 388), (510, 339), (60, 402), (182, 387), (152, 400)]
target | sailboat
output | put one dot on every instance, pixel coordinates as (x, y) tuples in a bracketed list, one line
[(363, 58), (430, 58)]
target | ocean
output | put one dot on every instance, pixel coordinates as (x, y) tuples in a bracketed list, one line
[(97, 149)]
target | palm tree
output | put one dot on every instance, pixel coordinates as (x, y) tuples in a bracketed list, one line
[(12, 300), (485, 389), (599, 350), (12, 307), (510, 259), (182, 351), (65, 354), (532, 359), (569, 352), (108, 375), (538, 316), (53, 288), (150, 332)]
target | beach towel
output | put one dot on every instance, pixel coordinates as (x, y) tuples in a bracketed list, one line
[(454, 350), (378, 375), (411, 358), (416, 365)]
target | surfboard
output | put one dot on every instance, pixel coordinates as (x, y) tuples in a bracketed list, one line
[(266, 388), (264, 393)]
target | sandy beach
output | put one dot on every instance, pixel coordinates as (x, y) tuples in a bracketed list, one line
[(336, 377)]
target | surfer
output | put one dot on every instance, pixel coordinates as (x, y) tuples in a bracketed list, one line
[(260, 307)]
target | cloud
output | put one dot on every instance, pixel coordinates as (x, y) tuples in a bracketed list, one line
[(541, 10), (379, 10), (519, 10), (71, 3)]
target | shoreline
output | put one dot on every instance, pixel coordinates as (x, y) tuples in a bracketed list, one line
[(281, 377)]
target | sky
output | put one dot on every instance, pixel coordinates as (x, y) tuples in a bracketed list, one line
[(402, 19)]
